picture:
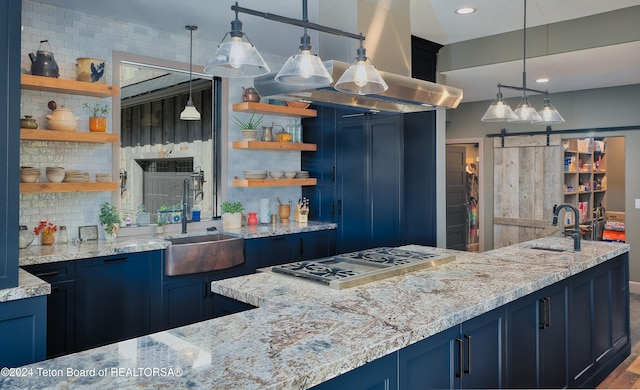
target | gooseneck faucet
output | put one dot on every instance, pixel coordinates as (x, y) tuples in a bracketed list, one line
[(185, 205), (576, 230)]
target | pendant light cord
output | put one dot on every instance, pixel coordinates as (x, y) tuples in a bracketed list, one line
[(524, 52), (190, 28)]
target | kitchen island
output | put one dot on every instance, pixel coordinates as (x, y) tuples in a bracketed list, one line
[(303, 334)]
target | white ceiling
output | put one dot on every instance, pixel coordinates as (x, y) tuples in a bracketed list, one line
[(433, 20)]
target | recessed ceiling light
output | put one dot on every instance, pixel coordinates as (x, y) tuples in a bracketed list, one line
[(542, 80), (465, 10)]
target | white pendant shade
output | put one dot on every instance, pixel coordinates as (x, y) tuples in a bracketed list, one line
[(190, 113), (361, 78), (304, 69), (499, 111), (236, 59)]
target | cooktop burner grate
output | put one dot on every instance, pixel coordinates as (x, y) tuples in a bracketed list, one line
[(312, 270), (388, 256)]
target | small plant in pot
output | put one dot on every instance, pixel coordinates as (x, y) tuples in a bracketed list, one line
[(160, 227), (249, 128), (110, 219), (142, 217), (231, 214), (98, 118)]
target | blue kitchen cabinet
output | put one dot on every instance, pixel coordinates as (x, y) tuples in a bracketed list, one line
[(380, 374), (360, 169), (114, 297), (187, 299), (60, 305), (536, 339), (467, 356), (287, 248), (23, 331), (598, 321)]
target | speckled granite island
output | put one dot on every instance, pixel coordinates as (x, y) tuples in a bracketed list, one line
[(304, 334)]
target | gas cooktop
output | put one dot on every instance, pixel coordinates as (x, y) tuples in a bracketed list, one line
[(356, 268)]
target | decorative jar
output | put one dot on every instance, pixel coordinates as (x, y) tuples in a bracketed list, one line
[(25, 237), (252, 220), (48, 238)]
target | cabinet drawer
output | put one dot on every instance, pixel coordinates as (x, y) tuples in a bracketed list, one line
[(62, 271)]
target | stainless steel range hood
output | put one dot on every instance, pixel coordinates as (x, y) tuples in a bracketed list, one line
[(404, 94)]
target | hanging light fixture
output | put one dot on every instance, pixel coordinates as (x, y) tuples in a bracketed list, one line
[(190, 113), (236, 58), (304, 69), (361, 77), (500, 111)]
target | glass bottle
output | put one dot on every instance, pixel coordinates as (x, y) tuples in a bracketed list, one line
[(63, 236), (25, 237)]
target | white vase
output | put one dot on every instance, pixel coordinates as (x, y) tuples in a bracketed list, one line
[(232, 221)]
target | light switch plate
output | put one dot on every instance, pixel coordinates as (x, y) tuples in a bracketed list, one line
[(638, 203)]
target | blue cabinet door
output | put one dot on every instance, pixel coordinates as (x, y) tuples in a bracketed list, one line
[(380, 374), (185, 300), (431, 363), (23, 331), (314, 245), (269, 251), (113, 300), (60, 305), (536, 339), (483, 351)]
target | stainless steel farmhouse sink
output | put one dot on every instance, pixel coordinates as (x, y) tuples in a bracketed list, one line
[(211, 252)]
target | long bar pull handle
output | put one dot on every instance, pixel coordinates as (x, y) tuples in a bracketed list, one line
[(468, 338), (547, 319), (46, 274), (460, 357), (332, 210), (114, 259), (542, 313), (333, 174), (204, 290), (340, 207)]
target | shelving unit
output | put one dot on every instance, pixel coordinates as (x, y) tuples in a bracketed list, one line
[(273, 182), (271, 109), (273, 146), (72, 87), (585, 177), (68, 136)]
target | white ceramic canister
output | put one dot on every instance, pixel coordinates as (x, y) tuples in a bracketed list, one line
[(264, 210)]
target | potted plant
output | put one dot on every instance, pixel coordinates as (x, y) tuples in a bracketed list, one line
[(160, 227), (98, 119), (142, 217), (231, 214), (249, 128), (110, 219)]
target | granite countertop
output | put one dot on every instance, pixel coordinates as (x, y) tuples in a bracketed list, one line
[(40, 254), (28, 286), (304, 333)]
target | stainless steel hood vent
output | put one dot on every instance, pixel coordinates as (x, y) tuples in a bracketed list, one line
[(404, 94)]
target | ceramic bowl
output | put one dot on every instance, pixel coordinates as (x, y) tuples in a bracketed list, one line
[(276, 174), (297, 104), (290, 174), (55, 174)]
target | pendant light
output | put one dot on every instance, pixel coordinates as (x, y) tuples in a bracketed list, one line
[(235, 58), (190, 113), (499, 111), (304, 69), (361, 77)]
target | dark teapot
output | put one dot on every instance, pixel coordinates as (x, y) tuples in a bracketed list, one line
[(250, 95), (43, 63)]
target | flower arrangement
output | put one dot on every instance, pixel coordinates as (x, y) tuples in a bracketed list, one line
[(45, 228)]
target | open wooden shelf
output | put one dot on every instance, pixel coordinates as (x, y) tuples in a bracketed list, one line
[(68, 187), (271, 109), (273, 182), (274, 146), (69, 136), (50, 84)]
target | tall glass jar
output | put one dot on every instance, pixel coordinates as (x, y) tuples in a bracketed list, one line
[(25, 237), (63, 236)]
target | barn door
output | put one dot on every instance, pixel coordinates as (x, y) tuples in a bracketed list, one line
[(527, 183)]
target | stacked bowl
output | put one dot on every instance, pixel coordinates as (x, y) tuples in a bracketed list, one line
[(55, 174), (103, 177), (29, 174), (76, 177), (255, 174), (302, 175)]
